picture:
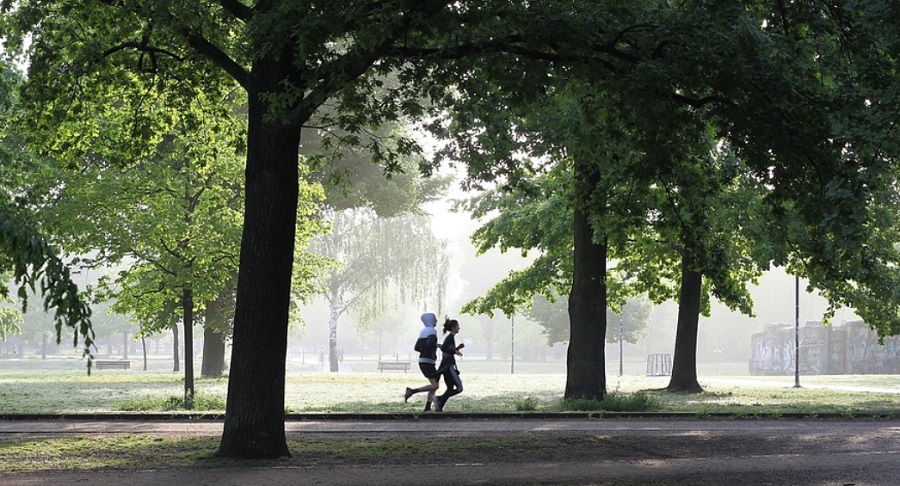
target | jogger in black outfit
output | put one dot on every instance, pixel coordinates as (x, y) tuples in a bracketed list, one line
[(448, 368)]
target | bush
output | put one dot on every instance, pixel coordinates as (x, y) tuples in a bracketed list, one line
[(527, 404), (613, 402), (202, 403)]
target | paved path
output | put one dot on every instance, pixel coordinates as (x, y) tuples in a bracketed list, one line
[(626, 451)]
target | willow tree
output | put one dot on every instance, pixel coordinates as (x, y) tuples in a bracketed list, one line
[(376, 261)]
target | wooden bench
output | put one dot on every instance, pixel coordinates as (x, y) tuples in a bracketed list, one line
[(101, 364), (393, 365)]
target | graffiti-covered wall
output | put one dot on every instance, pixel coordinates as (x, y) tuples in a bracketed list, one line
[(847, 348)]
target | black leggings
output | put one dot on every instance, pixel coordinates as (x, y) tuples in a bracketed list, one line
[(453, 382)]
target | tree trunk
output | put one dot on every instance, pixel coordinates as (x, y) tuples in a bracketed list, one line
[(177, 356), (213, 353), (254, 415), (144, 347), (586, 366), (187, 307), (332, 341), (214, 334), (684, 362)]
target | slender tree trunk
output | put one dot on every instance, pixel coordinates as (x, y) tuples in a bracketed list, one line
[(43, 346), (177, 356), (586, 367), (332, 340), (684, 362), (144, 347), (254, 416), (187, 307)]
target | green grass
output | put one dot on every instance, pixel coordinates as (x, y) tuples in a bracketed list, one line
[(55, 391)]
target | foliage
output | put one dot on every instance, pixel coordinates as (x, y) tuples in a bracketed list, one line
[(35, 265), (201, 403), (553, 316), (793, 182), (10, 321), (25, 253), (527, 404), (614, 402)]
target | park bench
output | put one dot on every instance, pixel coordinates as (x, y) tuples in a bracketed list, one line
[(101, 364), (393, 365)]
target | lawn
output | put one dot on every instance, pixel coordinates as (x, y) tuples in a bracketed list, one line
[(42, 389)]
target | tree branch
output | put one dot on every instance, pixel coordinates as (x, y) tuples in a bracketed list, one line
[(140, 46), (218, 57), (238, 9)]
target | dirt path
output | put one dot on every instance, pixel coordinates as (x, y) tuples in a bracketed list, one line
[(620, 451)]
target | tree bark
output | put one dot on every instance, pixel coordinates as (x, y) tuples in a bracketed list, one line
[(586, 360), (254, 415), (217, 313), (333, 365), (684, 361), (187, 305), (586, 364), (177, 356), (213, 353)]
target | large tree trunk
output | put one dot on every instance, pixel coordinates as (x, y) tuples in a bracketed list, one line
[(684, 362), (187, 306), (586, 368), (254, 415)]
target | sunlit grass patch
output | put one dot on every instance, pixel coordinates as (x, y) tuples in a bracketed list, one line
[(146, 452), (118, 452)]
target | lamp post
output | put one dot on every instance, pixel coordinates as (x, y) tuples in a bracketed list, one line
[(512, 344), (796, 332), (621, 336)]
